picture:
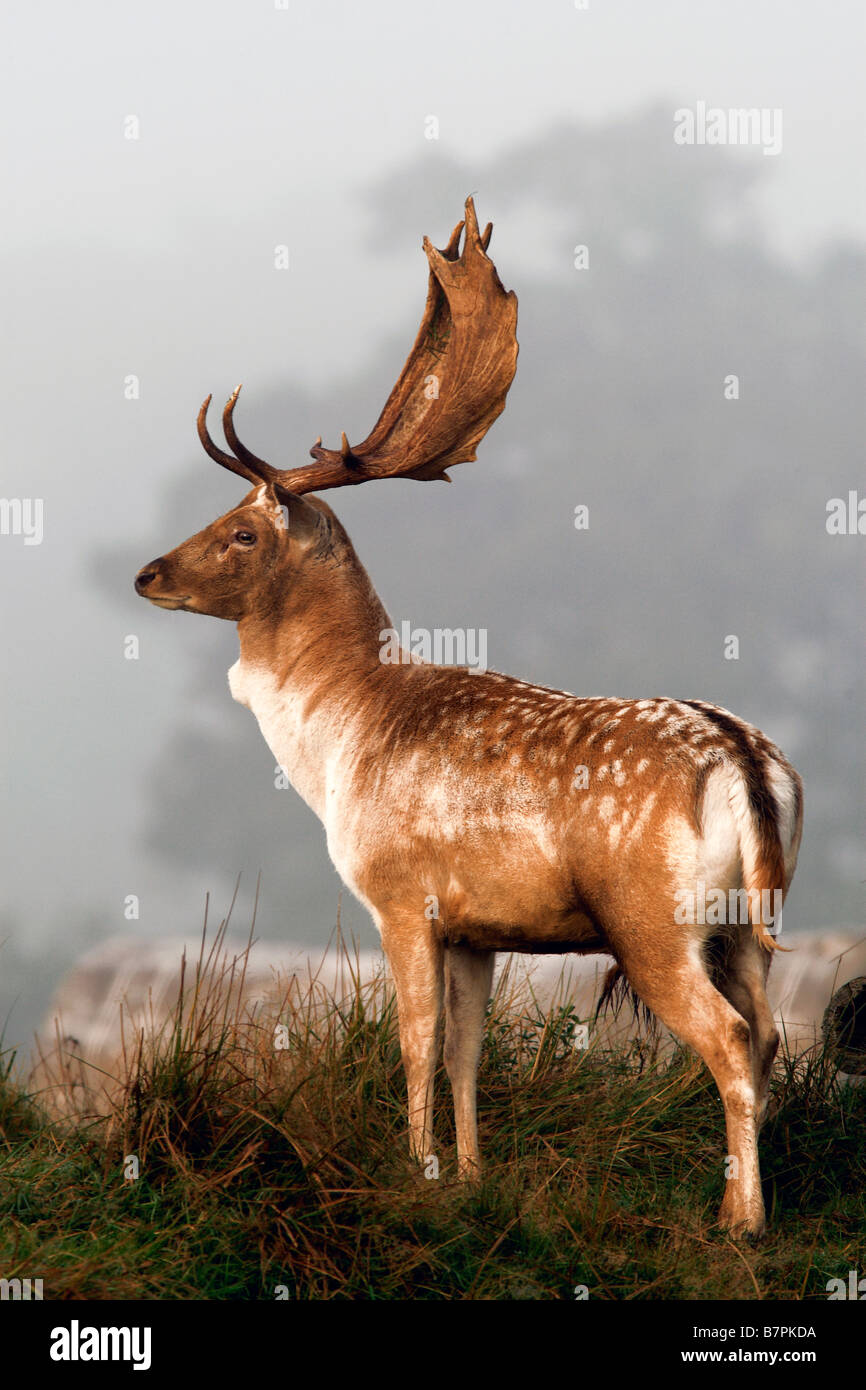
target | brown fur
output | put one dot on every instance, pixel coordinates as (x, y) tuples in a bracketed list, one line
[(453, 811)]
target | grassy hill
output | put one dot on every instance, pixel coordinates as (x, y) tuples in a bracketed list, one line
[(271, 1171)]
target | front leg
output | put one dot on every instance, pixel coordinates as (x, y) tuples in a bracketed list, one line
[(468, 977), (415, 955)]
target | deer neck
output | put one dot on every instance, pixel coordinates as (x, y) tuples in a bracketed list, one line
[(309, 668)]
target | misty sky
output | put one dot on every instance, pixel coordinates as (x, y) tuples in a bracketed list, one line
[(155, 257)]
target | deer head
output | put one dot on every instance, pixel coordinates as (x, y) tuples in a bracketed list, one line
[(452, 387)]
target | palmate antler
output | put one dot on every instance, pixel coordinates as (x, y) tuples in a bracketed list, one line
[(450, 391)]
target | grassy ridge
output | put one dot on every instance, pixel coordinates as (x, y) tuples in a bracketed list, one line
[(264, 1166)]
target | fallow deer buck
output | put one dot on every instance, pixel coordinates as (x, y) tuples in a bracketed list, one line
[(533, 820)]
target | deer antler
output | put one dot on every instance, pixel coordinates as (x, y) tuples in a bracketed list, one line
[(450, 391)]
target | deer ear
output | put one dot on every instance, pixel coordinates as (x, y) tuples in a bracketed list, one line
[(289, 513), (305, 523)]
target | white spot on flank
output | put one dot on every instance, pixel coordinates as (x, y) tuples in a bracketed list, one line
[(639, 825)]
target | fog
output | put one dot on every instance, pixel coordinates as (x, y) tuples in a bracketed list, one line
[(155, 158)]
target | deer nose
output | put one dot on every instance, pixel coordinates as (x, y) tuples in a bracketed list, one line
[(146, 575)]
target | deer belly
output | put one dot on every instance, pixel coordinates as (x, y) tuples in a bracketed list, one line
[(505, 891), (516, 901)]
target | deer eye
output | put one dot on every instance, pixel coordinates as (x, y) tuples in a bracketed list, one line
[(245, 537)]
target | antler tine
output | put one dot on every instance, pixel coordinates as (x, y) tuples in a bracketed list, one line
[(472, 233), (213, 450), (264, 471), (452, 247), (471, 221), (246, 465)]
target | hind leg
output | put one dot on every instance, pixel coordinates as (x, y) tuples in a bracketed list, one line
[(744, 982), (670, 977)]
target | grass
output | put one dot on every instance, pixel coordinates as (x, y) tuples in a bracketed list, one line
[(265, 1168)]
